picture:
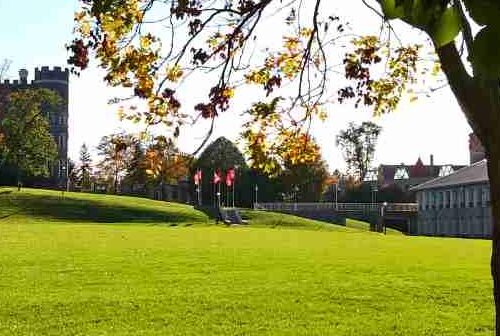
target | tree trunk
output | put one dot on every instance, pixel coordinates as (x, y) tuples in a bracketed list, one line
[(494, 176), (479, 98)]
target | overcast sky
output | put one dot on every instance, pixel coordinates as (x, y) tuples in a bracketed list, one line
[(33, 34)]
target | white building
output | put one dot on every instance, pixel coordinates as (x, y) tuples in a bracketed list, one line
[(456, 205)]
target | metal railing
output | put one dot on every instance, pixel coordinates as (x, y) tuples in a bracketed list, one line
[(402, 207), (340, 207)]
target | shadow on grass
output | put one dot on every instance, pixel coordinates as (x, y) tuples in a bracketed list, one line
[(68, 209)]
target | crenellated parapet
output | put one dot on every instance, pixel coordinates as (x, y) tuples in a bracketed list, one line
[(57, 73), (11, 83)]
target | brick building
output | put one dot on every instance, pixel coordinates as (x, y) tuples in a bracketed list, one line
[(56, 79)]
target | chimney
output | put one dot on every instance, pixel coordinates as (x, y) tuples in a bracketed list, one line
[(432, 160), (476, 149)]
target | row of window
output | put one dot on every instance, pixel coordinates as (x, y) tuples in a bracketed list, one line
[(56, 119), (60, 141), (464, 197), (478, 226)]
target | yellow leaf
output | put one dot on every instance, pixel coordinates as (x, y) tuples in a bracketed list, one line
[(174, 73), (145, 42)]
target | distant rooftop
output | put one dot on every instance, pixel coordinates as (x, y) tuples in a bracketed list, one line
[(475, 173)]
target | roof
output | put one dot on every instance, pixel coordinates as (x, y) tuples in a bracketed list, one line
[(418, 170), (473, 174)]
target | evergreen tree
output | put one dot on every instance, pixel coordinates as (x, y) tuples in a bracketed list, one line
[(135, 170), (84, 173)]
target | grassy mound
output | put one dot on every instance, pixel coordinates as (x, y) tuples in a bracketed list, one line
[(54, 206), (278, 220), (261, 218)]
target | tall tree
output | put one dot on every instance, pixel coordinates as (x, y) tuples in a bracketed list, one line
[(165, 163), (115, 150), (26, 142), (219, 156), (220, 34), (305, 182), (84, 172), (358, 144), (135, 171)]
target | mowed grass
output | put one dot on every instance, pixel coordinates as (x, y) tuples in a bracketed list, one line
[(108, 276)]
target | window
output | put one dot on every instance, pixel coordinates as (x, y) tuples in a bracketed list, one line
[(485, 197), (61, 119), (432, 199), (477, 197), (447, 199), (401, 174), (455, 201), (471, 197), (446, 170), (440, 200), (371, 176), (62, 169), (60, 141)]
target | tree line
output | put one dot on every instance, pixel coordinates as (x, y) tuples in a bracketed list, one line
[(137, 164)]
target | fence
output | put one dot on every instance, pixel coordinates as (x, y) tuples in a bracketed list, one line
[(338, 207)]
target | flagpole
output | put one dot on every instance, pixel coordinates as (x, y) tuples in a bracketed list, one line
[(198, 189), (219, 195)]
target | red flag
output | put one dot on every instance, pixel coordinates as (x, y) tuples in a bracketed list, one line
[(197, 177), (231, 173), (229, 180), (216, 177)]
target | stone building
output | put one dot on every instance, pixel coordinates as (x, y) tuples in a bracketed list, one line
[(56, 79), (180, 192), (456, 205)]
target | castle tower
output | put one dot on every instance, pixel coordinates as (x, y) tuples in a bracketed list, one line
[(57, 80)]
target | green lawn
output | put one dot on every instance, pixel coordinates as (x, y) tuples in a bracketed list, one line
[(101, 265)]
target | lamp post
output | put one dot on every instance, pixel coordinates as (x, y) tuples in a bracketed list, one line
[(67, 174), (336, 195), (236, 168), (382, 210), (256, 195), (198, 192), (63, 172), (296, 192), (374, 193)]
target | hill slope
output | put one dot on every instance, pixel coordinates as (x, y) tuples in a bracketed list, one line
[(54, 206)]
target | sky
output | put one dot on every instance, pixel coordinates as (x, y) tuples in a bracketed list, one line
[(33, 33)]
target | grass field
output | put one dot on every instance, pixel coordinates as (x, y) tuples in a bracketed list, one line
[(101, 265)]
